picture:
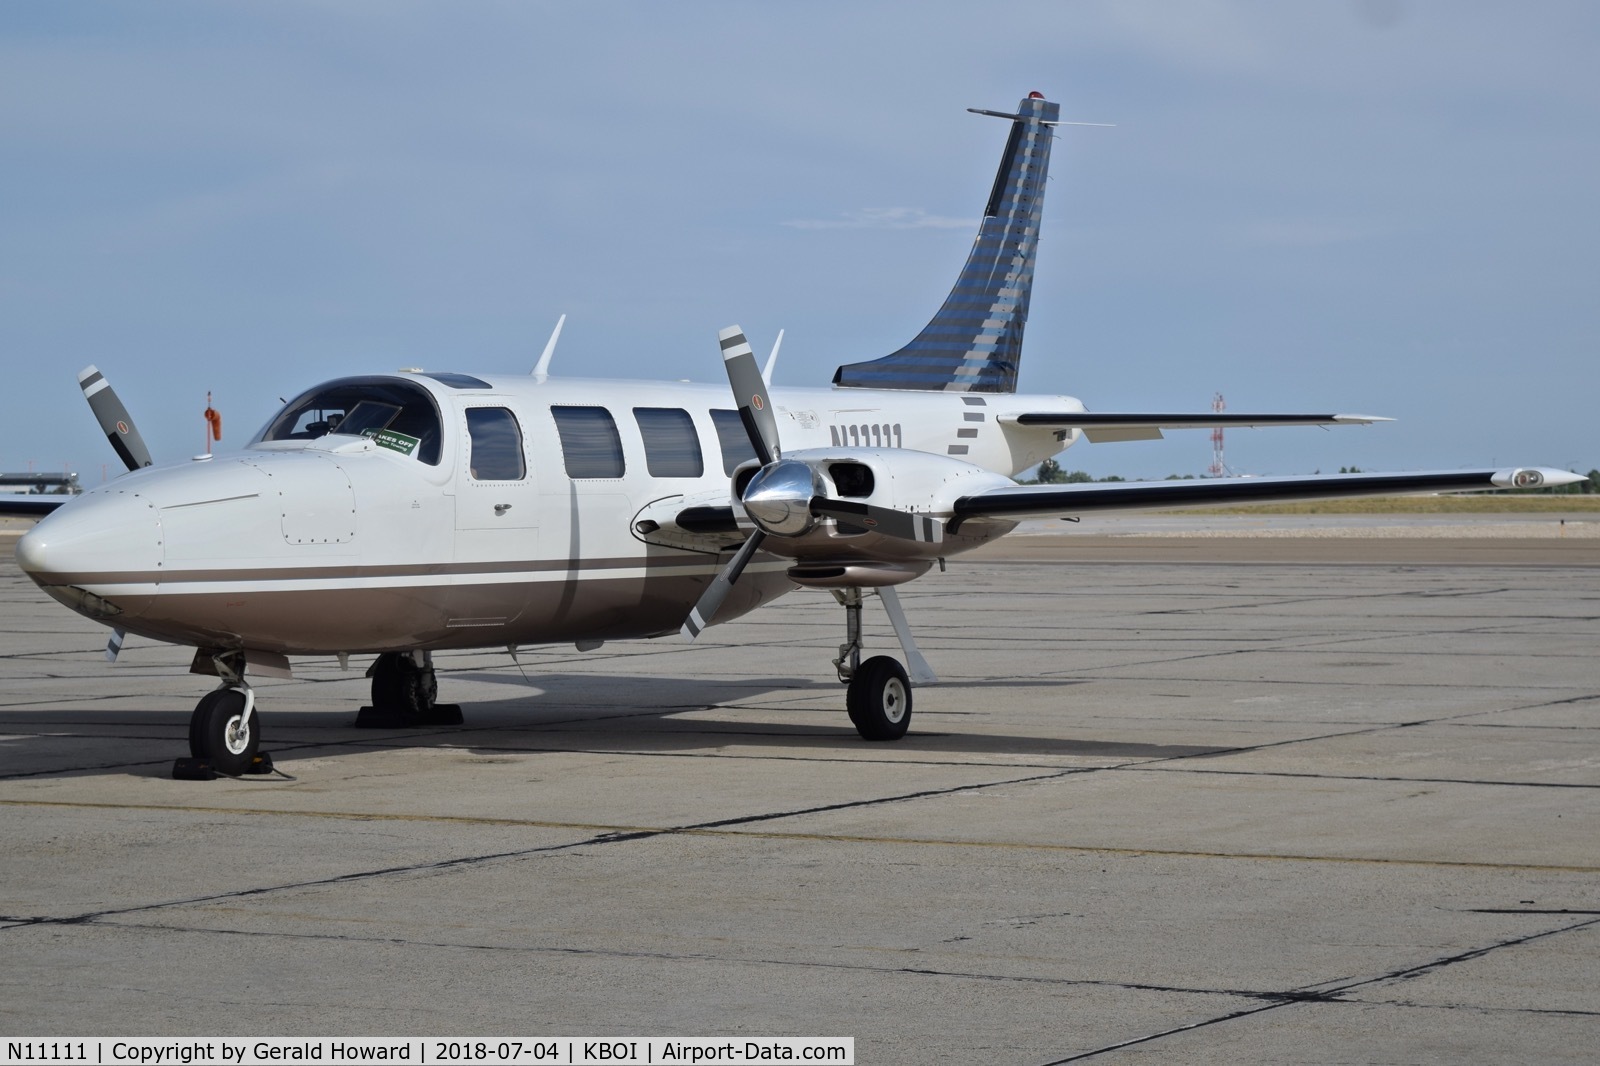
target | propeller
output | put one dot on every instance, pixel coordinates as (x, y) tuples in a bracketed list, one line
[(705, 608), (117, 424), (755, 411), (785, 497), (885, 520), (750, 393), (114, 419)]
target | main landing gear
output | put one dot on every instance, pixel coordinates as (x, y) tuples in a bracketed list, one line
[(405, 693), (879, 696), (225, 731)]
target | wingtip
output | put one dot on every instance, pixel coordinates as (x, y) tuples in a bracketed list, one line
[(1535, 477)]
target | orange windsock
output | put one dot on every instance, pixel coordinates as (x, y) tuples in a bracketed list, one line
[(213, 420)]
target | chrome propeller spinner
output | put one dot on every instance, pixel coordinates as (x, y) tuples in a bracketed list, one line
[(779, 498)]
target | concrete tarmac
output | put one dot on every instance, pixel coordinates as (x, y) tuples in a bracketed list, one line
[(1274, 807)]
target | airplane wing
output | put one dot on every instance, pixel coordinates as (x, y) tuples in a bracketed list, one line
[(29, 505), (1102, 427), (1025, 501)]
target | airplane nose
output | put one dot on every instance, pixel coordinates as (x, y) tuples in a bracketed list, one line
[(98, 538)]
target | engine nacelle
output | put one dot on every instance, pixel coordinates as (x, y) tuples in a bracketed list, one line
[(918, 482)]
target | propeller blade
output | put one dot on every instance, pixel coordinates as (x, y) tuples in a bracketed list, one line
[(886, 520), (750, 393), (705, 611), (114, 645), (114, 419)]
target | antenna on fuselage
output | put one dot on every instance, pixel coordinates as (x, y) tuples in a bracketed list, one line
[(541, 369), (772, 360)]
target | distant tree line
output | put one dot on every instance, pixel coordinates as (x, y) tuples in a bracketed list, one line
[(1050, 473)]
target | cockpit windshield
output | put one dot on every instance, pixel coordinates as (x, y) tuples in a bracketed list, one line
[(395, 414)]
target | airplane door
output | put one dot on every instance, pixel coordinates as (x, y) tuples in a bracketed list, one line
[(497, 502)]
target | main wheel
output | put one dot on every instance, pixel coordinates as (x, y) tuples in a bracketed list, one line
[(879, 699), (401, 688), (221, 733)]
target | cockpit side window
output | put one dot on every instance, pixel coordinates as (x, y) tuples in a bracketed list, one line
[(395, 414), (496, 450)]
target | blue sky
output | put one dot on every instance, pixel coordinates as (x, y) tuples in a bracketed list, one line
[(1377, 206)]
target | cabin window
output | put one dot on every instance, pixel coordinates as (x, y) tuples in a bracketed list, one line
[(734, 440), (589, 442), (398, 415), (671, 446), (495, 453)]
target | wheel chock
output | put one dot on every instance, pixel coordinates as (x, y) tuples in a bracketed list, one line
[(373, 718), (261, 764), (192, 770), (444, 714), (439, 714)]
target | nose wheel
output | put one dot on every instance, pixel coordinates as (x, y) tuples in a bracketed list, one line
[(225, 731)]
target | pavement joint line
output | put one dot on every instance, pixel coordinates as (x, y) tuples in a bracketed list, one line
[(1475, 1008), (1330, 995), (1360, 777), (608, 837), (547, 949), (1273, 682), (608, 833)]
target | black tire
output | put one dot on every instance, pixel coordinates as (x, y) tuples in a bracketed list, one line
[(219, 736), (401, 688), (879, 699)]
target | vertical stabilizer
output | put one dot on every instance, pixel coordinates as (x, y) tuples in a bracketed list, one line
[(974, 343)]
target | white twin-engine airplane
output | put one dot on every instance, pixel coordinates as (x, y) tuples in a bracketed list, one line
[(410, 513)]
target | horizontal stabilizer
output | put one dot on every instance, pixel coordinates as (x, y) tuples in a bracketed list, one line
[(1029, 501), (1108, 426)]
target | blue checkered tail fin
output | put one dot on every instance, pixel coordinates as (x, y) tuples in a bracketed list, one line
[(974, 343)]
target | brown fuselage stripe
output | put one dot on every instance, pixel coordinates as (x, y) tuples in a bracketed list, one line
[(304, 573)]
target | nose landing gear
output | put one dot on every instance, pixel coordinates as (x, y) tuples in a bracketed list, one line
[(225, 731)]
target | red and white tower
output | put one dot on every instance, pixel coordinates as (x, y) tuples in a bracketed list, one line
[(1218, 467)]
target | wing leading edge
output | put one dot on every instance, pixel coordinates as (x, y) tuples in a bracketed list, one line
[(29, 505), (1028, 501)]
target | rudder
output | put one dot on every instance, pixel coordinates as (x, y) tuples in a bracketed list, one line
[(974, 342)]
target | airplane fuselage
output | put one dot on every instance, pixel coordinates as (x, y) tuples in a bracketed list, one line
[(523, 516)]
